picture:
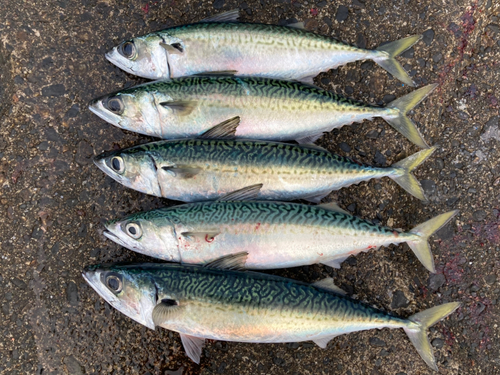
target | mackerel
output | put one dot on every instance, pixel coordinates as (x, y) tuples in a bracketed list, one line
[(275, 234), (221, 44), (217, 303), (269, 109), (196, 170)]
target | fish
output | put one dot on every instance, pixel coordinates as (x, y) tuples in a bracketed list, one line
[(202, 169), (275, 234), (219, 302), (220, 44), (269, 109)]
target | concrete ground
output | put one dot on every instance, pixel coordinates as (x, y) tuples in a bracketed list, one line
[(53, 199)]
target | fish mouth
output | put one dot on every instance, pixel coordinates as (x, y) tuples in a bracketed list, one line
[(118, 62), (113, 237), (93, 279), (101, 162), (97, 108)]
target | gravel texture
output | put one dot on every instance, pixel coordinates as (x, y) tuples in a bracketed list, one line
[(53, 200)]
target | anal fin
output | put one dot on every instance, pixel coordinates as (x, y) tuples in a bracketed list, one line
[(317, 198), (335, 263), (323, 342)]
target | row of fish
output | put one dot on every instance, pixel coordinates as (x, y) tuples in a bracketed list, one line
[(229, 94)]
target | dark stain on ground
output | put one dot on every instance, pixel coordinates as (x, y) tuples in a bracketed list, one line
[(53, 199)]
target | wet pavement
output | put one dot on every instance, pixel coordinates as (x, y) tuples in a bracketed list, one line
[(53, 200)]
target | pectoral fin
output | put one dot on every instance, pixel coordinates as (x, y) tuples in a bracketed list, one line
[(229, 262), (208, 236), (180, 107), (192, 346), (247, 193), (173, 49), (182, 171), (226, 129), (165, 310), (327, 284)]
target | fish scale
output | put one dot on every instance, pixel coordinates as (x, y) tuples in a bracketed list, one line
[(286, 171), (274, 234), (257, 39), (216, 303), (269, 109)]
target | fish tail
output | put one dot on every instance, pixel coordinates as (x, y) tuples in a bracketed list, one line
[(401, 122), (405, 178), (420, 246), (388, 61), (417, 329)]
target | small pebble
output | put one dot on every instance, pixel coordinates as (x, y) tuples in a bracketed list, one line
[(345, 147), (342, 13), (428, 37), (438, 343)]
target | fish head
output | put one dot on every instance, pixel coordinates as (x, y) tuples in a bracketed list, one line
[(142, 56), (132, 109), (127, 289), (150, 233), (134, 168)]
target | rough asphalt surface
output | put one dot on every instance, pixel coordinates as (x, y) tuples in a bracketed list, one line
[(53, 200)]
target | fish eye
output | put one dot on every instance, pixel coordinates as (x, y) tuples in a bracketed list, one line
[(117, 164), (114, 104), (114, 282), (133, 230), (128, 50)]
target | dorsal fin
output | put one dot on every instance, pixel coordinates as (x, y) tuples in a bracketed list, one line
[(309, 139), (327, 284), (216, 73), (229, 16), (333, 206), (297, 25), (314, 147), (247, 193), (229, 262), (180, 107), (226, 129)]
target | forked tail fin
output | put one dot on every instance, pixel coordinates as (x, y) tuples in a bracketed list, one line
[(388, 61), (418, 332), (405, 178), (401, 122), (421, 247)]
